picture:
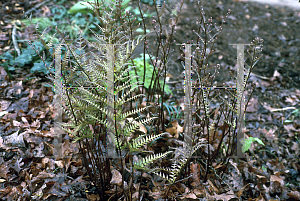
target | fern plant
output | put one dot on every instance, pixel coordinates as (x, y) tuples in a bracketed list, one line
[(97, 85)]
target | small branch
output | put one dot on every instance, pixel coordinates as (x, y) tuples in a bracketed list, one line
[(36, 7), (14, 38)]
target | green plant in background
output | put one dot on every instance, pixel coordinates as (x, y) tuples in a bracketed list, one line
[(84, 6), (173, 112), (44, 22), (136, 12), (264, 168), (139, 63), (28, 56), (151, 2), (74, 20), (71, 24), (247, 143), (7, 63)]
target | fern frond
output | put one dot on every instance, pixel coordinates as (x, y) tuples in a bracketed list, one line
[(122, 88), (137, 143), (91, 96), (129, 129), (64, 126), (141, 164), (121, 100), (135, 111), (164, 176), (103, 110), (180, 160), (108, 124), (227, 104)]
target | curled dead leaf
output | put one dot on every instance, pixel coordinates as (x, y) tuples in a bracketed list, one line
[(175, 129), (294, 195), (116, 177)]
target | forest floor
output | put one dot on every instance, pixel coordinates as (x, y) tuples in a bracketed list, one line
[(270, 172)]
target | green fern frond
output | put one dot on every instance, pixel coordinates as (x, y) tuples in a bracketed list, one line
[(122, 88), (129, 129), (180, 160), (135, 111), (141, 164), (227, 104), (145, 121), (126, 79), (50, 42), (103, 110), (126, 84), (64, 126), (137, 143), (108, 124), (82, 126), (91, 96), (121, 100)]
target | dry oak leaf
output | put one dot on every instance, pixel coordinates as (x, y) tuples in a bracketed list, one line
[(294, 195), (190, 196), (229, 196), (175, 129), (4, 169), (116, 177), (93, 197), (195, 169)]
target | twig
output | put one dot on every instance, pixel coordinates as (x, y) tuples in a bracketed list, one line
[(13, 35), (36, 7), (173, 82)]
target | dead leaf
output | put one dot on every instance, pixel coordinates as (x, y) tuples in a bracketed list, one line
[(216, 190), (175, 129), (199, 192), (240, 193), (279, 179), (195, 169), (15, 140), (294, 195), (93, 197), (116, 177), (4, 169), (190, 196), (252, 105)]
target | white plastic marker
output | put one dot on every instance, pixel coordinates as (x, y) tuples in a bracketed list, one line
[(240, 100), (110, 140), (57, 100)]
